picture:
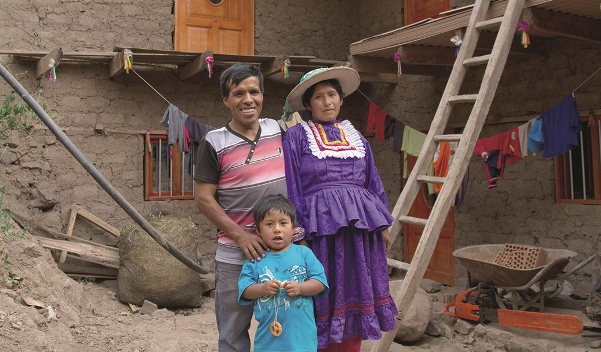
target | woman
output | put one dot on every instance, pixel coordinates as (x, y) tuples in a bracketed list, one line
[(340, 199)]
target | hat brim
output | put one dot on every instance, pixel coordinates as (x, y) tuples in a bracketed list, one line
[(347, 77)]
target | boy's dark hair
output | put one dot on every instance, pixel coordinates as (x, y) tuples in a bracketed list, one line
[(309, 92), (271, 203), (236, 74)]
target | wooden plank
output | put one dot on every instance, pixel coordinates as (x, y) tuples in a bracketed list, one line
[(44, 64), (117, 65), (98, 222), (403, 36), (272, 66), (72, 216), (563, 24), (195, 67), (87, 271), (87, 252), (41, 231)]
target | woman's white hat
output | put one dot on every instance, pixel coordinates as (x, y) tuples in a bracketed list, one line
[(347, 77)]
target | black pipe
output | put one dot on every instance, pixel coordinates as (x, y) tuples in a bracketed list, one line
[(62, 137)]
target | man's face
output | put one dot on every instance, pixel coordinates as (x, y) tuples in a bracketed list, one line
[(245, 102)]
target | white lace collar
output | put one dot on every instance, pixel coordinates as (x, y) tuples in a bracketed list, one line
[(349, 145)]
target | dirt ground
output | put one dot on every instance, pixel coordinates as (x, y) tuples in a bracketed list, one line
[(42, 309)]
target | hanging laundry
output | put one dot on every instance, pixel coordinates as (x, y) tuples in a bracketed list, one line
[(536, 140), (413, 140), (376, 118), (561, 127), (443, 159), (523, 131), (498, 152), (175, 119), (399, 129), (197, 131), (389, 126)]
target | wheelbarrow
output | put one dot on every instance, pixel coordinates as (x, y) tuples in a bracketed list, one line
[(479, 260)]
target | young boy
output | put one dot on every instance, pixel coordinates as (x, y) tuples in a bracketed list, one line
[(282, 284)]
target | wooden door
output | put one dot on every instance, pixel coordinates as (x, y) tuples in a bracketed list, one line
[(222, 26), (417, 10), (442, 264)]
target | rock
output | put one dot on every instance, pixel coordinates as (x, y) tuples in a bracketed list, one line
[(595, 343), (163, 313), (430, 286), (148, 308), (418, 316), (463, 327)]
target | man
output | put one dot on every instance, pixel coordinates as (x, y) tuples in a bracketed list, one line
[(238, 164)]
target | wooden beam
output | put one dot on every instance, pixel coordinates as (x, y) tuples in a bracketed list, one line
[(563, 24), (117, 65), (53, 58), (538, 47), (195, 67), (382, 69), (272, 66)]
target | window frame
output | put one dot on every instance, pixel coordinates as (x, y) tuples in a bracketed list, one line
[(175, 163), (592, 167)]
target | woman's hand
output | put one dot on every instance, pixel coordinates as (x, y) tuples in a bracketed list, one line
[(387, 240)]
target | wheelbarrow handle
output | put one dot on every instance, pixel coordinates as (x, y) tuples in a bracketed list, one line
[(577, 267)]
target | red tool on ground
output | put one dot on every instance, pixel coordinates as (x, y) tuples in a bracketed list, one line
[(479, 304)]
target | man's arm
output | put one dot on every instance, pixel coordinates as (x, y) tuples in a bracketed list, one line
[(250, 244)]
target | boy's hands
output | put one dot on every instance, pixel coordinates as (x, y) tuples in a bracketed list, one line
[(293, 288), (271, 287)]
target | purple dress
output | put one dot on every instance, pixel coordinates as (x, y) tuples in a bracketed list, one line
[(341, 202)]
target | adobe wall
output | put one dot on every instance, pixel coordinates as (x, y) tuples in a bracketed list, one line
[(43, 179)]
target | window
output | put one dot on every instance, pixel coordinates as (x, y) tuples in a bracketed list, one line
[(578, 172), (167, 171)]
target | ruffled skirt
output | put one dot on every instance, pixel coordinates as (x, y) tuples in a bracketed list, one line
[(359, 301)]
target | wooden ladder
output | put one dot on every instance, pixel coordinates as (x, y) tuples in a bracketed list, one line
[(495, 62)]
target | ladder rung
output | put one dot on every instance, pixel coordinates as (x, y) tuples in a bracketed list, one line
[(465, 98), (448, 138), (413, 220), (431, 179), (478, 60), (397, 264), (493, 23)]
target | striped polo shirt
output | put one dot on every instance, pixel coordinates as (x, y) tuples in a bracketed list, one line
[(244, 171)]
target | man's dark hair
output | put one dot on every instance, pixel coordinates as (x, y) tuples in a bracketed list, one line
[(274, 202), (236, 74), (309, 92)]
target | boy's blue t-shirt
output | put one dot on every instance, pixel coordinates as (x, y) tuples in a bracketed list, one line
[(295, 314)]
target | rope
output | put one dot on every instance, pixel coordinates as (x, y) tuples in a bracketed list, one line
[(589, 77), (151, 87)]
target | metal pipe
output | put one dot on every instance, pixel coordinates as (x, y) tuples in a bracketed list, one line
[(62, 137)]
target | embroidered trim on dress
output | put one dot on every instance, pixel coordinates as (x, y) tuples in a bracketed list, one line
[(349, 145)]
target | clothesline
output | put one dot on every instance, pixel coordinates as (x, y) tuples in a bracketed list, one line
[(589, 77), (151, 87)]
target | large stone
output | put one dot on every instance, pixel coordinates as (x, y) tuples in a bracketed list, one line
[(418, 316)]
